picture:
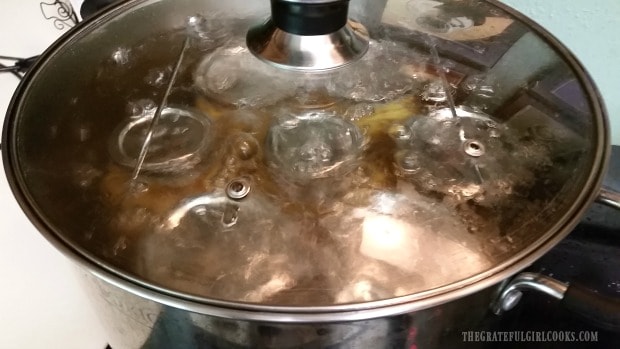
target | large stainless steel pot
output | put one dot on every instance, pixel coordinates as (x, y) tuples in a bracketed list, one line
[(370, 178)]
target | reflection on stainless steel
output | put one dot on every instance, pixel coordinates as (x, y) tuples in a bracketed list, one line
[(609, 197), (511, 293), (309, 53)]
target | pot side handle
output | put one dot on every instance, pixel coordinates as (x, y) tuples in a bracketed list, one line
[(600, 310), (609, 197)]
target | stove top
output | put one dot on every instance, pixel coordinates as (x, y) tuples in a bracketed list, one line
[(590, 255)]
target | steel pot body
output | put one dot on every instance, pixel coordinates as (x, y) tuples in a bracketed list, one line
[(135, 321), (140, 310)]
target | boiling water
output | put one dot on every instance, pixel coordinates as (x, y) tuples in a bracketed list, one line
[(358, 187)]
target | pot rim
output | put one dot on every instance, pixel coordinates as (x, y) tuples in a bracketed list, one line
[(316, 314)]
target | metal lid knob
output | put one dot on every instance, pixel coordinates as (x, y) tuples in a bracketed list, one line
[(309, 17), (308, 35)]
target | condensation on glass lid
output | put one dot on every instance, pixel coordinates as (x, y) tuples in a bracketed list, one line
[(252, 250), (232, 75), (245, 249), (290, 188)]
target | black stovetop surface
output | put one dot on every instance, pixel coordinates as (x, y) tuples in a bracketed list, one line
[(590, 255)]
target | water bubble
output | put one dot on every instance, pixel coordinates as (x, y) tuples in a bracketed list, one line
[(486, 91), (230, 162), (490, 124), (289, 122), (309, 96), (223, 77), (120, 245), (138, 187), (200, 210), (370, 82), (157, 77), (446, 124), (315, 152), (472, 82), (207, 33), (481, 86), (84, 133), (120, 56), (408, 162), (177, 131), (470, 190), (494, 133), (359, 111), (400, 132), (435, 92), (86, 175), (198, 26), (140, 108), (435, 140), (245, 146)]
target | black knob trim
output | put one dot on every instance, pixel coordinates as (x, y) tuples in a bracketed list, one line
[(309, 18)]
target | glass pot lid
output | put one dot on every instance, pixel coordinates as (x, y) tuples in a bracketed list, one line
[(455, 143)]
